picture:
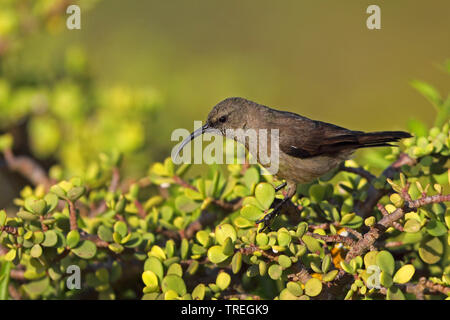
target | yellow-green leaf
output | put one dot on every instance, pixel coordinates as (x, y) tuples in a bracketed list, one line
[(404, 274)]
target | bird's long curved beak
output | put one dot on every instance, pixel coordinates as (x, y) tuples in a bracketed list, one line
[(204, 129)]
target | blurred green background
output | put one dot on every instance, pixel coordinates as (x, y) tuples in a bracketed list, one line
[(137, 70), (314, 58)]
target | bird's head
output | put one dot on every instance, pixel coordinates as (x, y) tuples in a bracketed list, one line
[(227, 114)]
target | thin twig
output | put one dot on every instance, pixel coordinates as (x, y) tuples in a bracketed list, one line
[(359, 171), (229, 206), (364, 209), (43, 225), (72, 215), (333, 238), (353, 232), (140, 209), (206, 218), (422, 286), (13, 292), (303, 276), (17, 274), (252, 248), (115, 179), (183, 183), (95, 239), (28, 168), (392, 244), (242, 296), (9, 229), (113, 186)]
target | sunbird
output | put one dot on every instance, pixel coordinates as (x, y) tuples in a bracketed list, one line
[(307, 148)]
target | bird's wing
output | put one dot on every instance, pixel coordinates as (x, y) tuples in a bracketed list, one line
[(304, 138)]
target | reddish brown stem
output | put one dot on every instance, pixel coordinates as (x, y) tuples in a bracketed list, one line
[(388, 220), (72, 215), (27, 167), (140, 209), (43, 225), (252, 248), (333, 238)]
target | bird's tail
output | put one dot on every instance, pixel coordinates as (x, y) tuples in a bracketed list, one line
[(380, 139)]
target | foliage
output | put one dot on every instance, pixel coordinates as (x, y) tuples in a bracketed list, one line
[(69, 116), (196, 238)]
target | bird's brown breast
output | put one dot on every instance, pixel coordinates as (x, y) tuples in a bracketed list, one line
[(306, 170)]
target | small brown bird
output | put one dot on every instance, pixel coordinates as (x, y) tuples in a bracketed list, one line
[(307, 148)]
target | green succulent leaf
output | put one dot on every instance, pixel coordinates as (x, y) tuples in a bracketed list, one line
[(251, 212), (284, 261), (155, 265), (386, 279), (50, 238), (394, 293), (75, 193), (10, 255), (436, 228), (216, 255), (151, 281), (175, 283), (412, 226), (312, 244), (313, 287), (330, 276), (283, 238), (86, 249), (199, 292), (236, 262), (294, 288), (3, 217), (72, 239), (104, 233), (36, 251), (27, 216), (275, 271), (265, 194), (223, 280), (186, 204), (225, 231), (286, 294), (228, 248), (5, 269), (38, 207), (431, 250), (404, 274), (386, 262)]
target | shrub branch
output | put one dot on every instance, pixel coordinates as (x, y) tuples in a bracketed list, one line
[(364, 209), (388, 220), (28, 168)]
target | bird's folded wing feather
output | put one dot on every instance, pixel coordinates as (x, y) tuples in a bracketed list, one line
[(304, 138)]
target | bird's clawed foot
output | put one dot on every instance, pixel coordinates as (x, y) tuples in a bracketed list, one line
[(281, 186), (271, 215), (266, 220)]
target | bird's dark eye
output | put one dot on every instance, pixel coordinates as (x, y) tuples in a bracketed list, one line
[(223, 119)]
